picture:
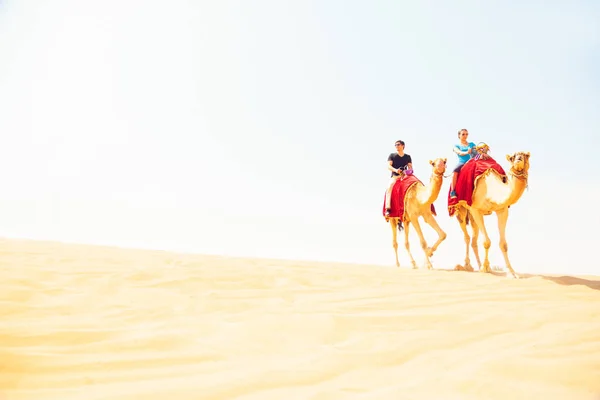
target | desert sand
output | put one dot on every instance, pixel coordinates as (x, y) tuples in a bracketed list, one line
[(86, 322)]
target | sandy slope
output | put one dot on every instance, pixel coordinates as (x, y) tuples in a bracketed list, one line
[(82, 322)]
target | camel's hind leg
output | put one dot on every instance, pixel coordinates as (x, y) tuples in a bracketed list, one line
[(415, 222), (461, 216), (430, 219), (502, 219), (394, 225), (407, 244), (478, 218)]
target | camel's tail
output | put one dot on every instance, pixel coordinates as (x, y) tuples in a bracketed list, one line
[(400, 226)]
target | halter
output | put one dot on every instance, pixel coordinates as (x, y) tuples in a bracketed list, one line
[(518, 174), (522, 175)]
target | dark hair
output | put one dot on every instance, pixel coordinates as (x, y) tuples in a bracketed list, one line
[(463, 129), (399, 142)]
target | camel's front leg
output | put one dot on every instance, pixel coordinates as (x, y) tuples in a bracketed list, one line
[(430, 219), (461, 217), (415, 222), (407, 244), (478, 217), (474, 239), (394, 225), (502, 219)]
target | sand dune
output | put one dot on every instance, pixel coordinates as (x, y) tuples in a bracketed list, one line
[(84, 322)]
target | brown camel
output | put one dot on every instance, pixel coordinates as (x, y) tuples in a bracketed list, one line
[(417, 203), (493, 193)]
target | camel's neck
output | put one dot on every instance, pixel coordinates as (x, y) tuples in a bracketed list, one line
[(517, 185), (428, 194)]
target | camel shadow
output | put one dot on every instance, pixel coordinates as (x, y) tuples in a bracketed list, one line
[(564, 280)]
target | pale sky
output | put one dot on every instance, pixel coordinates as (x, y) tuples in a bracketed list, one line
[(262, 128)]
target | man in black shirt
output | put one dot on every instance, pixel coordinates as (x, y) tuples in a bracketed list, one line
[(397, 163)]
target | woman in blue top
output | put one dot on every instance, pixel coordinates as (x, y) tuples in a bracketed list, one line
[(465, 150)]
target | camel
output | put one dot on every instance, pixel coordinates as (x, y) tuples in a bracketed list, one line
[(417, 203), (493, 193)]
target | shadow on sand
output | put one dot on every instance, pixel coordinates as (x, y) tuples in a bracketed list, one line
[(567, 280), (564, 280)]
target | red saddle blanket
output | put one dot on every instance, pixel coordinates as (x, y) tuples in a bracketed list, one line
[(398, 192), (467, 180)]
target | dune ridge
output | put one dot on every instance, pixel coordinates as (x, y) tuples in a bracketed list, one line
[(95, 322)]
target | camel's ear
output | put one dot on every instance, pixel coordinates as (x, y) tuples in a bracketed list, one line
[(431, 163), (527, 154), (445, 159), (510, 158)]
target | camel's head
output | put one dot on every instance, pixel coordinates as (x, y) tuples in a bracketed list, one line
[(439, 165), (519, 162)]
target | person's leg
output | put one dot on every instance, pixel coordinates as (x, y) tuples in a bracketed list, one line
[(453, 184), (454, 179), (388, 193)]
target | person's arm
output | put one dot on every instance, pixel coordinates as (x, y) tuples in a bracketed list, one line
[(409, 164), (459, 152)]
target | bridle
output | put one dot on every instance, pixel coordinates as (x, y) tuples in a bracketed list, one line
[(518, 174), (521, 175)]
